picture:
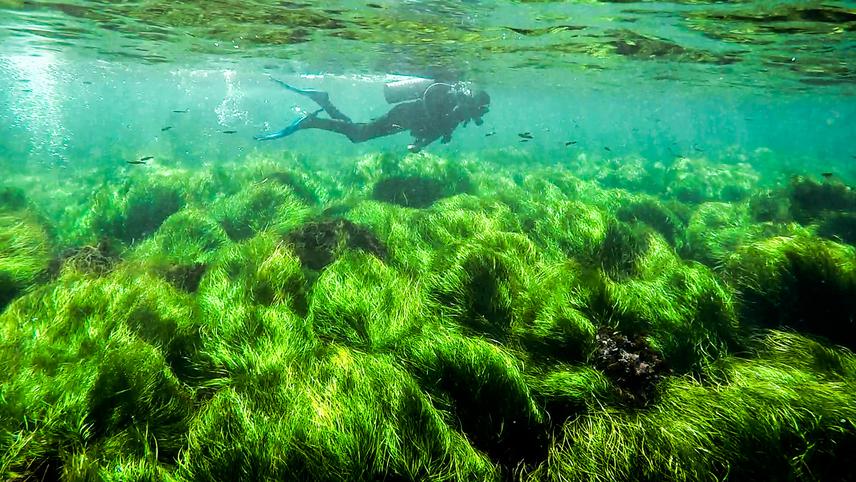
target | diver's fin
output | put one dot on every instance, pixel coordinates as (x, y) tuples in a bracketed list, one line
[(291, 129), (319, 96)]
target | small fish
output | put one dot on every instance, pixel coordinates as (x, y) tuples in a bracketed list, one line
[(185, 111), (827, 175), (136, 162), (26, 90), (147, 158), (607, 149), (87, 82), (164, 129), (490, 133), (373, 5), (697, 148), (524, 140), (229, 132), (525, 135), (570, 143)]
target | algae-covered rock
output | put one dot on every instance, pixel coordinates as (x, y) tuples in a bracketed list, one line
[(318, 243), (631, 364)]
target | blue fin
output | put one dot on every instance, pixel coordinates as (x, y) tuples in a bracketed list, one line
[(291, 129), (319, 96)]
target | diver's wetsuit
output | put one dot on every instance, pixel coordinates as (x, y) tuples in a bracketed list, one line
[(430, 118)]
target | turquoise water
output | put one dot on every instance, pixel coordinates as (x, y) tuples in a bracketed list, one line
[(91, 82)]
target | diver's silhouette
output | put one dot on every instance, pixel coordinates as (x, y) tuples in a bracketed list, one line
[(430, 110)]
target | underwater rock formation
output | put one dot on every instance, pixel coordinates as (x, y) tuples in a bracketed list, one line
[(318, 243), (631, 364)]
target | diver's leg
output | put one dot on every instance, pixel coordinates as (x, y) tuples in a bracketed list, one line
[(295, 126), (319, 97), (356, 132)]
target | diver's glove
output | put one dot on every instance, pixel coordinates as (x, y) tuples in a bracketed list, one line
[(291, 129)]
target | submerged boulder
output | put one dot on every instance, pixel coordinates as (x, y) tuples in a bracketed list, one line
[(318, 243), (631, 364)]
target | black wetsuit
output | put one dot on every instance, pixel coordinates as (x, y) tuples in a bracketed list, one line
[(430, 118)]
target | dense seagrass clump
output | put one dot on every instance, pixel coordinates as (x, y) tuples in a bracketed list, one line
[(417, 180), (803, 282), (517, 327), (96, 381), (696, 180), (483, 385), (787, 413), (688, 313), (811, 200), (656, 216), (260, 206), (24, 255), (182, 248), (415, 192), (12, 198), (134, 209)]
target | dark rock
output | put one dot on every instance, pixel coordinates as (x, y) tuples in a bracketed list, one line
[(631, 364), (317, 244)]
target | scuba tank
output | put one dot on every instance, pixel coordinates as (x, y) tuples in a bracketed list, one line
[(408, 89)]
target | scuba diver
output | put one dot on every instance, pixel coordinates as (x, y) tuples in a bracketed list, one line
[(430, 110)]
